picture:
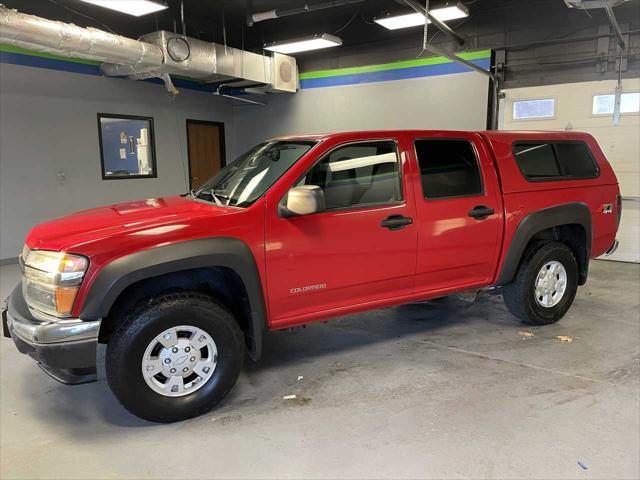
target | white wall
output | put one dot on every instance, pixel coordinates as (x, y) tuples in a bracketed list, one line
[(457, 101), (621, 143), (48, 123)]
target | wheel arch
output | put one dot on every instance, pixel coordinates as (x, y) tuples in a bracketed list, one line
[(569, 223), (227, 261)]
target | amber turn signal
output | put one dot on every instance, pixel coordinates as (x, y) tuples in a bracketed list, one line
[(65, 297)]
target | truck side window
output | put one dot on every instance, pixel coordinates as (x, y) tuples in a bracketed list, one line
[(576, 160), (537, 160), (548, 161), (449, 168), (357, 174)]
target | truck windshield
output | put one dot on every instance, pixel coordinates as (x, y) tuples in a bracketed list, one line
[(244, 180)]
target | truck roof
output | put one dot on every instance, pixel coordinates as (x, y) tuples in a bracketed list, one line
[(505, 135)]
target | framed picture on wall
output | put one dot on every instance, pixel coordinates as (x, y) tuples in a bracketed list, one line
[(127, 146)]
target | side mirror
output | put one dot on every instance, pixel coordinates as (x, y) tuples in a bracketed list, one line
[(304, 200)]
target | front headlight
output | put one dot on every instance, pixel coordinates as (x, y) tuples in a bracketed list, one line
[(50, 280)]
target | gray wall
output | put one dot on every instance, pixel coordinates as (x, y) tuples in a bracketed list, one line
[(457, 101), (48, 123)]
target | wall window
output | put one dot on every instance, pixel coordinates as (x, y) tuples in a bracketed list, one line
[(605, 104), (362, 173), (534, 109), (449, 168), (126, 146), (546, 161)]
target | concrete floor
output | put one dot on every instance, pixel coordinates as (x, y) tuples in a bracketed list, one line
[(440, 390)]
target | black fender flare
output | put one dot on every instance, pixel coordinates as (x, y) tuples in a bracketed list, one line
[(227, 252), (569, 213)]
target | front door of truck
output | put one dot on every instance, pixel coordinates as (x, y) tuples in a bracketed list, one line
[(362, 249), (459, 210)]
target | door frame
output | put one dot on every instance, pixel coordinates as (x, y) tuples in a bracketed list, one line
[(221, 135)]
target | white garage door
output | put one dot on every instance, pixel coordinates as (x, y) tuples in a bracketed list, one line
[(587, 107)]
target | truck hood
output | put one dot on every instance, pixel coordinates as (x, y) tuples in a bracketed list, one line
[(150, 218)]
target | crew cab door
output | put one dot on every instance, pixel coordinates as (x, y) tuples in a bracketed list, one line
[(362, 249), (459, 208)]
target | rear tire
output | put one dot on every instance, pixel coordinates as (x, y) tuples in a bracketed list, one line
[(545, 284), (203, 336)]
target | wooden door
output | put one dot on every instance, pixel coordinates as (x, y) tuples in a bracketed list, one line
[(206, 150)]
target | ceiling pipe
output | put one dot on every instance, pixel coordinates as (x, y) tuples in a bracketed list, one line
[(456, 58), (68, 40), (443, 27), (156, 55), (286, 12)]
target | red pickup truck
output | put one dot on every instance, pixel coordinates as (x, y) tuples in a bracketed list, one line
[(301, 229)]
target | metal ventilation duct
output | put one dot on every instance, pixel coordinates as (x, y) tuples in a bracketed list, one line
[(209, 62), (42, 35), (158, 54)]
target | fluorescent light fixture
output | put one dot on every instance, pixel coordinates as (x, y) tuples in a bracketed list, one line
[(415, 19), (401, 21), (444, 14), (137, 8), (304, 44)]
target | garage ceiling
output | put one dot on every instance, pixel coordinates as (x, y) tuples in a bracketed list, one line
[(542, 37), (205, 19), (211, 19)]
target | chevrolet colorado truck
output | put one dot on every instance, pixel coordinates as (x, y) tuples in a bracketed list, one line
[(301, 229)]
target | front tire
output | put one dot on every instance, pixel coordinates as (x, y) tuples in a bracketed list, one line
[(545, 284), (174, 357)]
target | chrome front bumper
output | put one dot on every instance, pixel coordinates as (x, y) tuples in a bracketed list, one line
[(65, 349)]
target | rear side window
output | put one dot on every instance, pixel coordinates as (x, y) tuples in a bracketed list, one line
[(448, 168), (537, 160), (548, 161)]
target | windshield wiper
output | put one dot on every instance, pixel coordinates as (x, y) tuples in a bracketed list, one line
[(216, 199), (220, 195), (217, 196)]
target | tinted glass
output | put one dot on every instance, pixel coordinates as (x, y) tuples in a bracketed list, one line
[(358, 174), (576, 160), (537, 160), (448, 168), (555, 160), (245, 179)]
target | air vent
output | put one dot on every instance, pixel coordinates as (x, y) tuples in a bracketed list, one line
[(285, 73)]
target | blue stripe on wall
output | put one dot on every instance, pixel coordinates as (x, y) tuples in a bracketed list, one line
[(387, 75), (86, 69), (52, 64), (370, 77)]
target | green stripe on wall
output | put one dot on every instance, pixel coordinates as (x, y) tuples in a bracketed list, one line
[(303, 76), (394, 65), (24, 51), (33, 53)]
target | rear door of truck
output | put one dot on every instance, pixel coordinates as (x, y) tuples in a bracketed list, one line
[(459, 209)]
